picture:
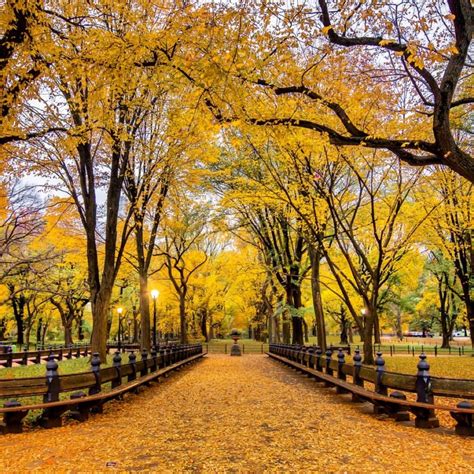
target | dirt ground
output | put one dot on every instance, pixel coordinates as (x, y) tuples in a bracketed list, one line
[(236, 414)]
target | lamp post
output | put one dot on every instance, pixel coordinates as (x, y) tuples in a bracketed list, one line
[(154, 295), (119, 312)]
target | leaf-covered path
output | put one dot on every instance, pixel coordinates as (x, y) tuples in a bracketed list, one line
[(238, 414)]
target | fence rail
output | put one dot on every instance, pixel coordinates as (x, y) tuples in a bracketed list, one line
[(335, 372), (53, 386), (224, 348)]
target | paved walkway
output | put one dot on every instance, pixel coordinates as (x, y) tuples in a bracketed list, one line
[(246, 414)]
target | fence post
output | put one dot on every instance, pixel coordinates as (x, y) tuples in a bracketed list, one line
[(132, 360), (95, 365), (340, 372), (464, 420), (144, 370), (329, 370), (356, 378), (13, 420), (154, 367), (380, 388), (117, 363), (9, 356), (52, 381), (225, 348), (380, 369), (24, 359), (424, 418)]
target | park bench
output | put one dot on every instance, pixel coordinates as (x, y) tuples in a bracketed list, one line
[(333, 373), (8, 358), (81, 404)]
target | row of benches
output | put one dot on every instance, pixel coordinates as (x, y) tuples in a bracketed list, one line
[(88, 394), (333, 373), (8, 358)]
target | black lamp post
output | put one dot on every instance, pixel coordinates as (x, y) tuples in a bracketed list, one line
[(154, 295)]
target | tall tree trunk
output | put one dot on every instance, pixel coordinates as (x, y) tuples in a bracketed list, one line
[(315, 256), (44, 329), (39, 328), (470, 318), (444, 333), (145, 339), (398, 314), (443, 310), (68, 333), (100, 310), (19, 326), (270, 327), (203, 324), (27, 337), (305, 329), (350, 334), (377, 329), (279, 329), (368, 335), (344, 324), (182, 319), (297, 324), (18, 305), (211, 329), (286, 329), (293, 298), (3, 326), (80, 333)]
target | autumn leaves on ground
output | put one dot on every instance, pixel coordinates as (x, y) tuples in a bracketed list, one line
[(237, 414)]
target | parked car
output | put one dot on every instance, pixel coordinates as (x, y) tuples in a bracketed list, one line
[(418, 334)]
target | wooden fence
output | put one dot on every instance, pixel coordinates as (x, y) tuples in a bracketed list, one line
[(334, 373), (54, 388)]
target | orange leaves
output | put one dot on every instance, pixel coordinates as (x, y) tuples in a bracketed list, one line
[(245, 413)]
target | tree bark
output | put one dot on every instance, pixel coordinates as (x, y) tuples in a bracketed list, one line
[(377, 329), (18, 305), (145, 339), (203, 324), (100, 308), (315, 256), (368, 335), (68, 334), (286, 330), (182, 319)]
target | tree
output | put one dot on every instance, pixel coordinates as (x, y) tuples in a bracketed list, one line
[(184, 251), (435, 89), (451, 231), (417, 72), (370, 236)]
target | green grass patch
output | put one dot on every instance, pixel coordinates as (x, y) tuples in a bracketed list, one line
[(450, 367), (65, 366)]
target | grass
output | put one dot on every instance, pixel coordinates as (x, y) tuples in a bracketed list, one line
[(72, 366), (66, 366), (450, 367)]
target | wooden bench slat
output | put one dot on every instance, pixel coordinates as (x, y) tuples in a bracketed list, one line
[(105, 395), (367, 394)]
